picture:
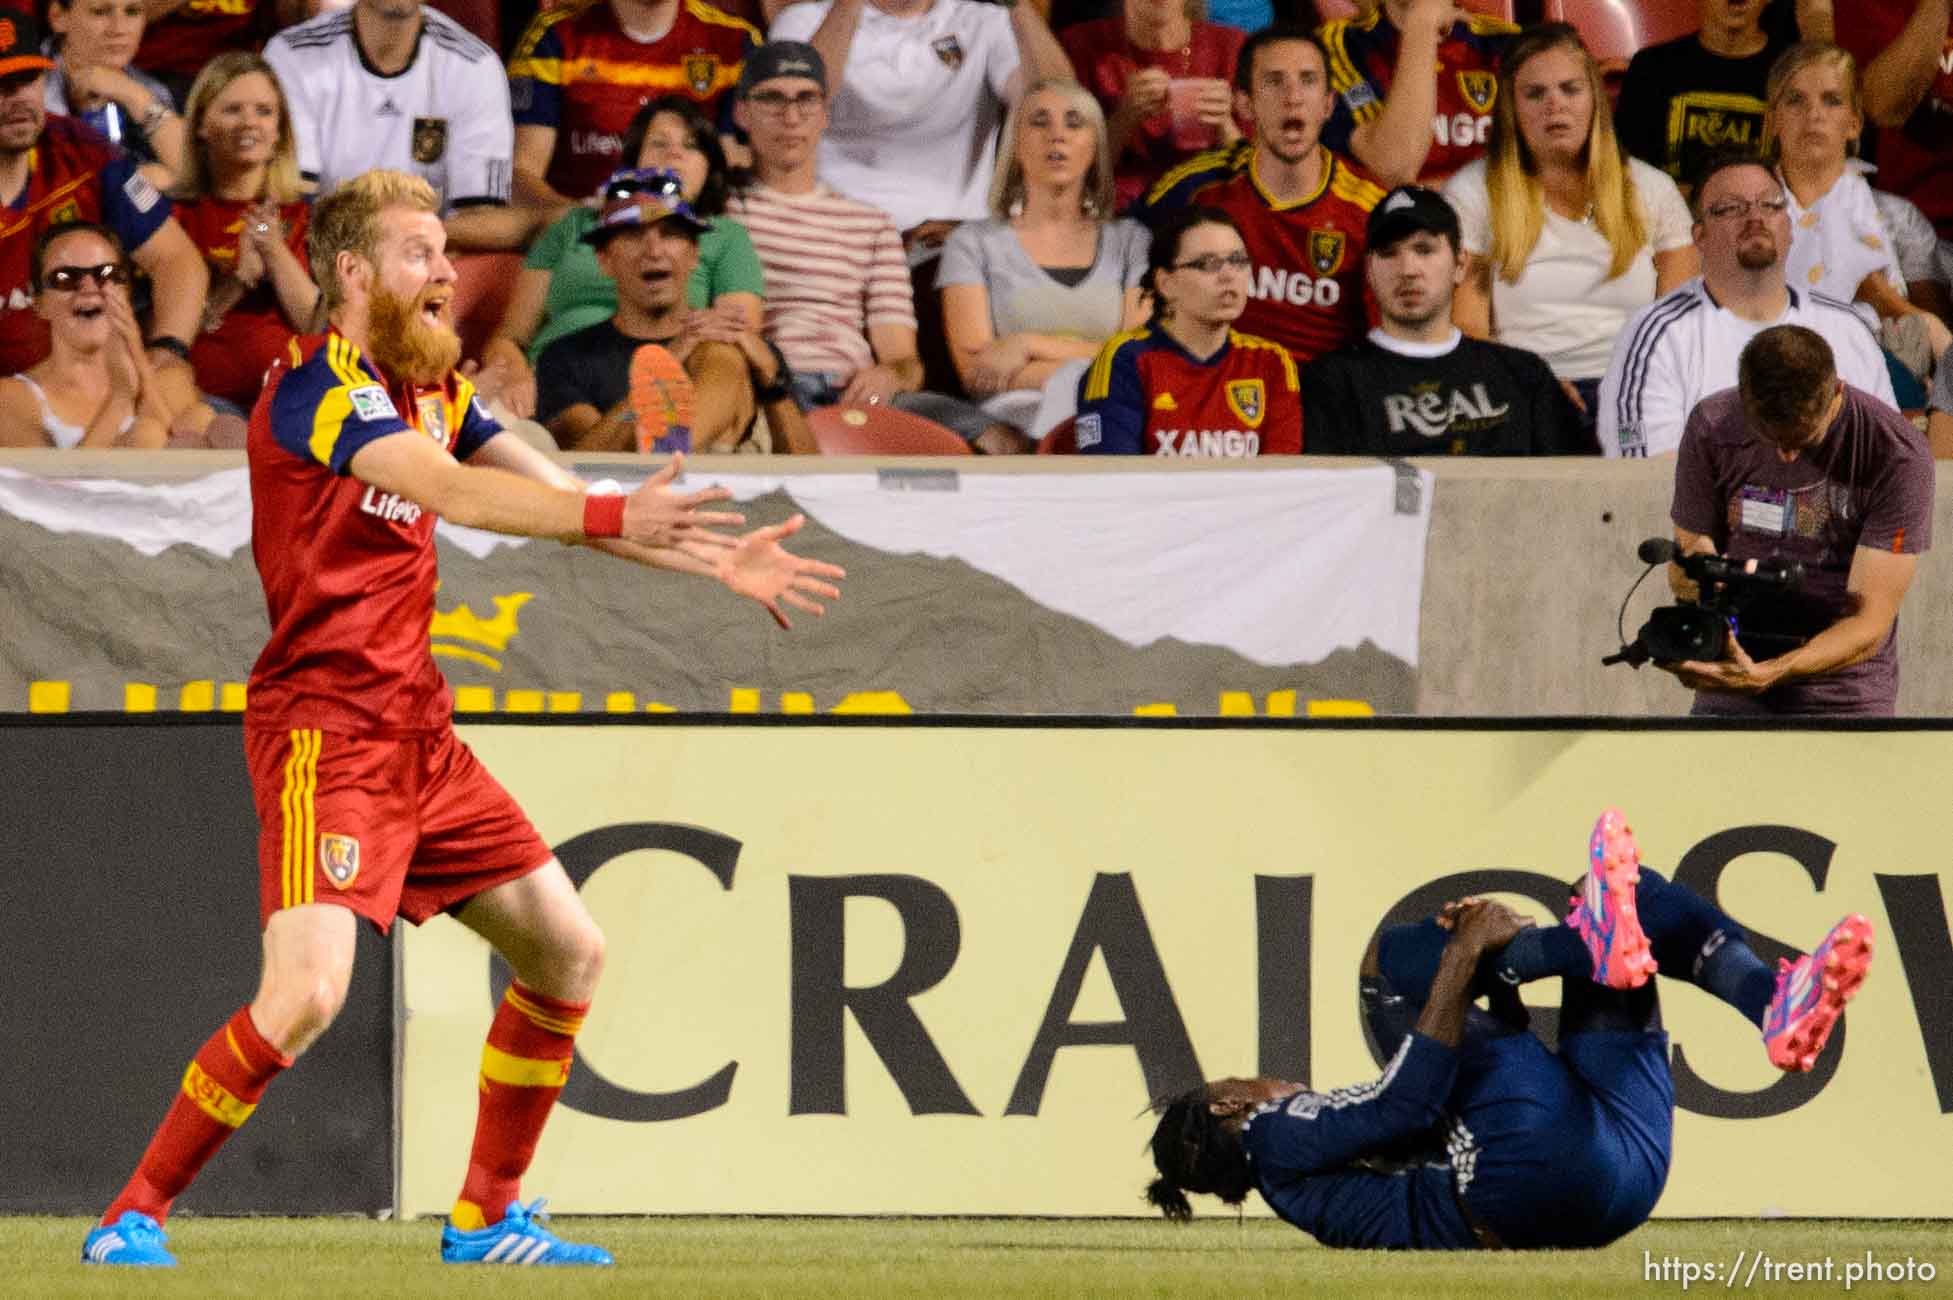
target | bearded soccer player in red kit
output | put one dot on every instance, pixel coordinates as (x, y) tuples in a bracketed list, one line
[(368, 804), (1300, 208)]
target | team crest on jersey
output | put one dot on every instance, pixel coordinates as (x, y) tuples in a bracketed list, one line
[(1479, 90), (339, 855), (1248, 398), (701, 70), (433, 410), (1326, 250), (66, 212), (430, 139), (949, 50), (1165, 402)]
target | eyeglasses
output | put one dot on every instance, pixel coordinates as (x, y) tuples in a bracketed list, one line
[(1212, 263), (644, 180), (67, 279), (775, 103), (1739, 209)]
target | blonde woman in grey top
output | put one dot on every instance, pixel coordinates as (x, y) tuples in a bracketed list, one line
[(1049, 277)]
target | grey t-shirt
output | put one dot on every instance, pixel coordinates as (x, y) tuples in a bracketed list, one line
[(1026, 299), (1869, 483), (1942, 394)]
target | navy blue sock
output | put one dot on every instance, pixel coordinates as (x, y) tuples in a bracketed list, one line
[(1727, 968), (1541, 952)]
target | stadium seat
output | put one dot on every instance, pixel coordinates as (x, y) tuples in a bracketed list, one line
[(483, 283), (1616, 30), (1061, 441), (880, 431), (482, 17)]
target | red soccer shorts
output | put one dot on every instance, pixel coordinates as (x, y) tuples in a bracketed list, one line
[(405, 827)]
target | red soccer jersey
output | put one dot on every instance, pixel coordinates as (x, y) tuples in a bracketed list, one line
[(1914, 160), (1145, 395), (1106, 60), (348, 570), (1363, 57), (1306, 290), (576, 70), (73, 175), (230, 361), (182, 41)]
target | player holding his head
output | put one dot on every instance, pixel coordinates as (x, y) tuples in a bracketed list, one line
[(368, 804), (1476, 1136)]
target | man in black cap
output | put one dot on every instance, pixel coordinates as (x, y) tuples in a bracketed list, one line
[(1416, 386), (646, 379)]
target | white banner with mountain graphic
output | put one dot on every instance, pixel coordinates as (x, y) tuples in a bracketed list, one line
[(1281, 591)]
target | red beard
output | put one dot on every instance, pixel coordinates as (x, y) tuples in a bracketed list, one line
[(404, 345)]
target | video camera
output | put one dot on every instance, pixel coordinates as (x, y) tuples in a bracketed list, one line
[(1701, 630)]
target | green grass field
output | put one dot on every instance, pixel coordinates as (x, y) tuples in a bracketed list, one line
[(320, 1258)]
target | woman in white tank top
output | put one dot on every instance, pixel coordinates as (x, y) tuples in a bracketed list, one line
[(94, 389)]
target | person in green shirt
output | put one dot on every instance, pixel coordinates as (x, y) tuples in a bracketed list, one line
[(562, 289)]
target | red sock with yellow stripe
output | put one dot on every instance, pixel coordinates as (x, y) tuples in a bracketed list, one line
[(523, 1068), (220, 1090)]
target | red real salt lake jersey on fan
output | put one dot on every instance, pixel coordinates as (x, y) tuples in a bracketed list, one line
[(1145, 394), (1306, 289), (348, 569)]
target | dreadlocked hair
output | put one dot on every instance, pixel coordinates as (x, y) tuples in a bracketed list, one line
[(1195, 1154)]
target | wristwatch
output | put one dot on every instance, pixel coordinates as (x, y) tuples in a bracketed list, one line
[(782, 385), (152, 117)]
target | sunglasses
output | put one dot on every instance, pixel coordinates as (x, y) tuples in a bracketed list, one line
[(67, 279), (644, 180)]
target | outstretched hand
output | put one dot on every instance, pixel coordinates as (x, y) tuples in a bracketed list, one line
[(656, 515), (759, 568)]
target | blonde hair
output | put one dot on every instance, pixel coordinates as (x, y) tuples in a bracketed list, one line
[(348, 221), (1807, 54), (1007, 185), (1512, 174), (281, 182)]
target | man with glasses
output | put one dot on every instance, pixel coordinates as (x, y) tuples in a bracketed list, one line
[(1684, 346), (53, 169)]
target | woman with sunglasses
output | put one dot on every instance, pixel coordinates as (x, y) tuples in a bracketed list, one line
[(670, 146), (95, 81), (1186, 384), (95, 388), (240, 201)]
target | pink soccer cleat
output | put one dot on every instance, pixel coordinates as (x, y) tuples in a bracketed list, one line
[(1812, 992), (1604, 915)]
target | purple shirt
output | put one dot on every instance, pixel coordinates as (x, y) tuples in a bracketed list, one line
[(1868, 483)]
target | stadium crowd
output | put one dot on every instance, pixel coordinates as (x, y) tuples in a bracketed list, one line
[(675, 224)]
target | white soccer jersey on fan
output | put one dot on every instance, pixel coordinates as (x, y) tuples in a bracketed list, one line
[(445, 117), (1684, 346), (914, 125)]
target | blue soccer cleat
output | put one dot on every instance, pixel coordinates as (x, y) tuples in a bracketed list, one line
[(519, 1238), (135, 1240), (1604, 914)]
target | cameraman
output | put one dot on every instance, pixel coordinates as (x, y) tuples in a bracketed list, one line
[(1795, 463)]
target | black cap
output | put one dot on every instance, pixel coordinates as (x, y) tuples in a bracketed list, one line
[(1405, 211), (20, 43), (780, 59)]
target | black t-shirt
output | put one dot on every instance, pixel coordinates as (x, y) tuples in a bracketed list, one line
[(592, 365), (1477, 399), (1679, 102)]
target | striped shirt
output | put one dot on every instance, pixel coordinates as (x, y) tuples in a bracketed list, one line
[(1684, 346), (834, 267)]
